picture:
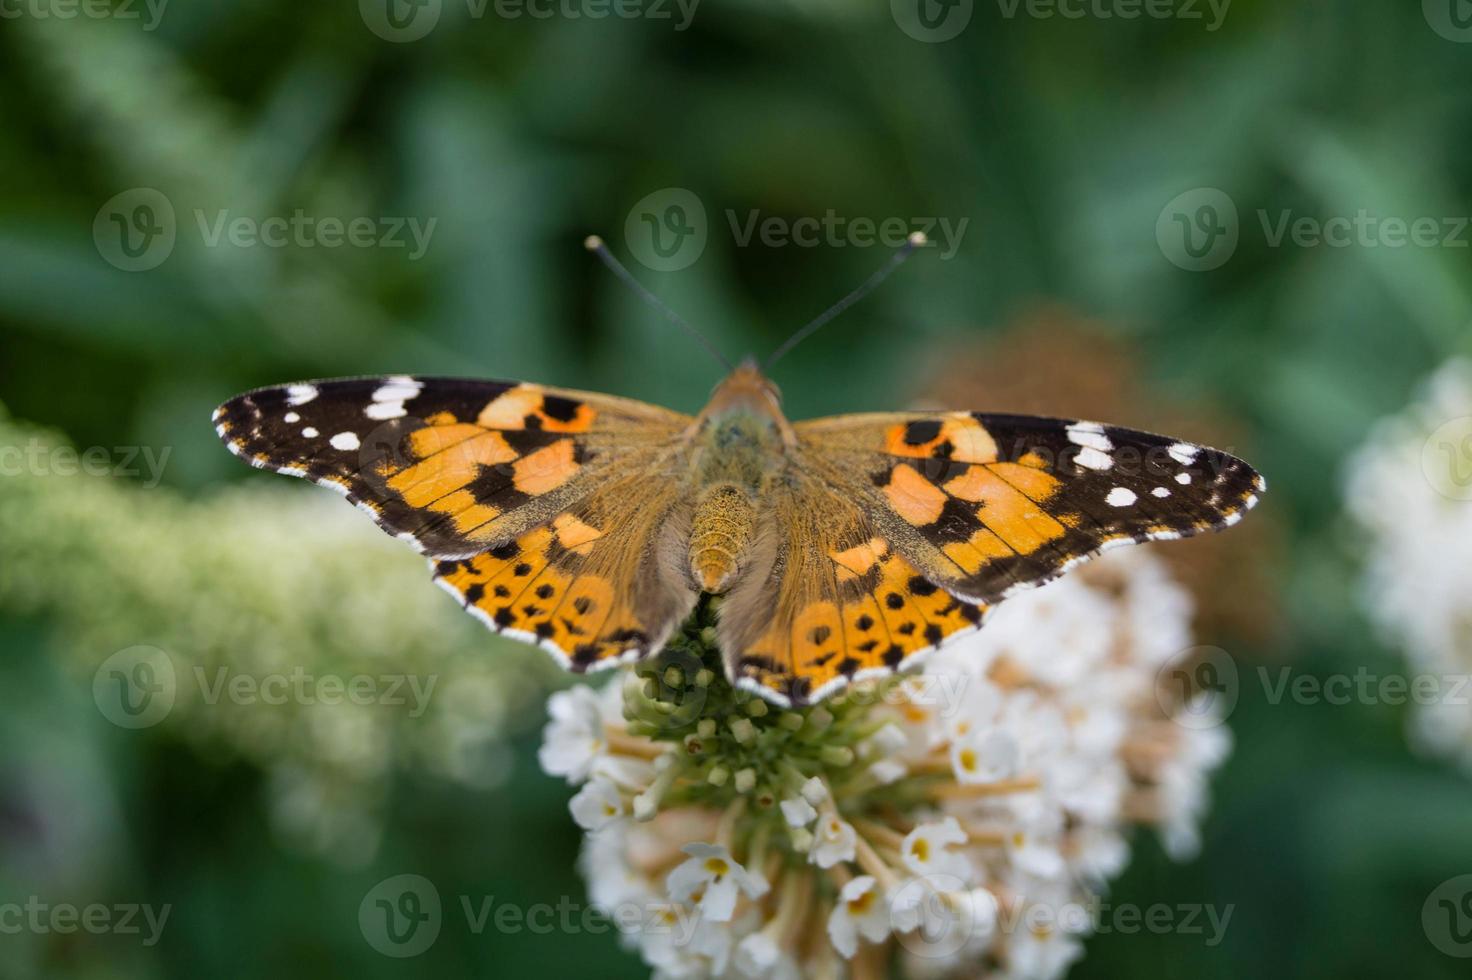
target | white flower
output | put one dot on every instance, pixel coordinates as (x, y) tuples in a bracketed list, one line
[(926, 850), (1041, 956), (984, 757), (835, 842), (798, 812), (887, 771), (677, 942), (759, 957), (1018, 776), (1407, 490), (941, 908), (859, 911), (710, 879), (597, 804), (573, 740)]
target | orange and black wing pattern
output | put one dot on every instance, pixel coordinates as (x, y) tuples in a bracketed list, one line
[(451, 466), (826, 599), (990, 505), (542, 509)]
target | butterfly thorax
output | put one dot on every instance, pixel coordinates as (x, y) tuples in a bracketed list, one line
[(739, 444)]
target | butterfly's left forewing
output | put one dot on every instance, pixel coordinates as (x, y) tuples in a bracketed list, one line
[(543, 509), (452, 466)]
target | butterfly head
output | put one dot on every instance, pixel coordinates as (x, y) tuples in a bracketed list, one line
[(748, 396)]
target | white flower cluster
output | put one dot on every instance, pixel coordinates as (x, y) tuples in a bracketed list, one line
[(1410, 488), (968, 827)]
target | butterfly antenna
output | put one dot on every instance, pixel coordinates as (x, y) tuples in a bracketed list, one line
[(882, 273), (595, 245)]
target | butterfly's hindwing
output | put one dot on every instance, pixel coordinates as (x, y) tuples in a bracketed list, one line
[(825, 600), (595, 586)]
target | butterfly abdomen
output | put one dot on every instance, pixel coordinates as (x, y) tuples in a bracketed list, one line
[(720, 534)]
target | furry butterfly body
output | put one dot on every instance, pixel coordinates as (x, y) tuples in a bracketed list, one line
[(843, 547)]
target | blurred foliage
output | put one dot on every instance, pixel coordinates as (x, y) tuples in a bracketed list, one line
[(1060, 141)]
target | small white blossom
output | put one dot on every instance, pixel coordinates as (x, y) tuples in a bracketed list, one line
[(834, 842), (798, 812), (859, 911), (927, 850), (573, 740), (984, 757), (597, 804), (711, 879)]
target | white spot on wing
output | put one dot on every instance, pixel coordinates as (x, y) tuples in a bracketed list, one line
[(397, 389), (1184, 479), (310, 433), (1089, 434), (1091, 458), (291, 418), (300, 394), (383, 411), (1160, 492), (1120, 497), (389, 397), (1183, 452), (346, 441)]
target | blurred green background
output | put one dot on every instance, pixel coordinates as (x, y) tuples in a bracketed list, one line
[(1078, 152)]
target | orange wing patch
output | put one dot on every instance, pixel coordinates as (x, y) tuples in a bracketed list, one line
[(531, 590), (885, 614), (956, 436), (530, 407)]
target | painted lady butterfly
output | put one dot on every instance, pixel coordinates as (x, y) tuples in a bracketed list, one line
[(844, 547)]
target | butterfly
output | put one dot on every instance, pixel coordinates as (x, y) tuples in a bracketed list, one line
[(844, 548)]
